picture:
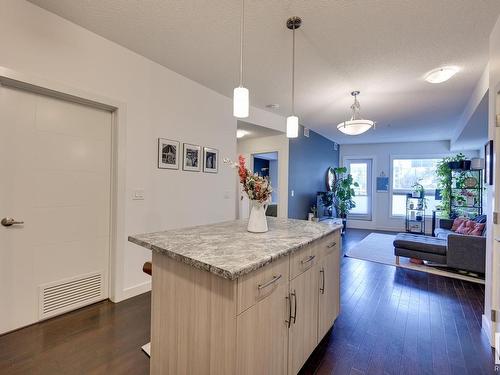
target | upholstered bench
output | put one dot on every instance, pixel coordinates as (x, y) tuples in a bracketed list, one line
[(420, 247)]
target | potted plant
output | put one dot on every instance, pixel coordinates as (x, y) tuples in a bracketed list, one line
[(455, 162), (418, 190), (327, 201), (343, 193), (443, 175)]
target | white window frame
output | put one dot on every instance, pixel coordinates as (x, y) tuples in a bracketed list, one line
[(391, 178), (346, 161)]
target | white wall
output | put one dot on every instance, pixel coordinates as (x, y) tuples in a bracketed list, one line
[(279, 143), (492, 288), (159, 103), (381, 154)]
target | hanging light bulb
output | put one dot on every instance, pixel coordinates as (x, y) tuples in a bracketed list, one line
[(292, 121), (241, 101)]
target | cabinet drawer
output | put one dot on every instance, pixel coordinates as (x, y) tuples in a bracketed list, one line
[(303, 259), (329, 244), (257, 285)]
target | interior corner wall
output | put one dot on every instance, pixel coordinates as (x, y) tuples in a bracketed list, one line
[(381, 154), (260, 145), (159, 103), (310, 158)]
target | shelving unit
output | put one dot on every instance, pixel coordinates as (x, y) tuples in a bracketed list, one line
[(415, 214), (466, 193)]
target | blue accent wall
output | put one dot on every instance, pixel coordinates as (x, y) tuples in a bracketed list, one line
[(309, 159)]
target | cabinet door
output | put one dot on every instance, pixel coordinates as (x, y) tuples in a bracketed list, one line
[(303, 333), (262, 335), (329, 284)]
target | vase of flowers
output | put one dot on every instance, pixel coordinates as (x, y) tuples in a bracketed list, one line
[(258, 190)]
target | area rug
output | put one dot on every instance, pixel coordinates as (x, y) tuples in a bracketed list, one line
[(377, 247)]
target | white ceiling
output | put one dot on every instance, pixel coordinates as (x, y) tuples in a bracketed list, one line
[(382, 48)]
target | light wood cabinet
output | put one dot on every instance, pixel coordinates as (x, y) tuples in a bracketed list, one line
[(268, 321), (303, 333), (262, 334), (329, 302)]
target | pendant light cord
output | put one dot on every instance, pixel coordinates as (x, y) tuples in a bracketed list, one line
[(293, 71), (242, 27)]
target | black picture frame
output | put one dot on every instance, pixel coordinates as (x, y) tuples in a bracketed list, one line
[(488, 162), (168, 153), (210, 160)]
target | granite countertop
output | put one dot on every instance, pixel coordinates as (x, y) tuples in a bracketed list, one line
[(228, 250)]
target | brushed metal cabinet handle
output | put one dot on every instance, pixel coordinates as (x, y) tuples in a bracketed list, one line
[(289, 321), (8, 221), (272, 281), (332, 245), (308, 259), (294, 317), (322, 289)]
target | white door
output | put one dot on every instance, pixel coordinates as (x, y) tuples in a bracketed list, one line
[(55, 162)]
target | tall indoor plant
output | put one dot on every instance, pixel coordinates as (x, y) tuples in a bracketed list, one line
[(343, 193), (443, 172)]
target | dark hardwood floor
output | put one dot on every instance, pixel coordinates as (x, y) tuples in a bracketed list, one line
[(393, 321)]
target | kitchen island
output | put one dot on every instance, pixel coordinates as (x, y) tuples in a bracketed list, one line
[(226, 301)]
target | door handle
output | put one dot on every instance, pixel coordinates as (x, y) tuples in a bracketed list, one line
[(8, 221), (322, 289)]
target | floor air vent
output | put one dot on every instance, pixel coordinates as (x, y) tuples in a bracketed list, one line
[(69, 294)]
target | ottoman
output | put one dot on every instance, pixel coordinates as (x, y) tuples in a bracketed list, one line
[(420, 247)]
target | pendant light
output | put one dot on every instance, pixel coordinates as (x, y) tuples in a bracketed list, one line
[(292, 121), (240, 94), (356, 125)]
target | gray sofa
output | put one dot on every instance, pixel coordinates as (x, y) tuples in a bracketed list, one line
[(454, 250)]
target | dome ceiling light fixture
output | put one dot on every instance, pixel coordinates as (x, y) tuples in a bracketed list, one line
[(442, 74), (356, 125)]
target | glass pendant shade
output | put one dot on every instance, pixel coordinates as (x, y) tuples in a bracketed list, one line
[(240, 102), (292, 127), (355, 127)]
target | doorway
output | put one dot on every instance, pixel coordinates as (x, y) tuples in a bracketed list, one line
[(55, 197), (266, 165)]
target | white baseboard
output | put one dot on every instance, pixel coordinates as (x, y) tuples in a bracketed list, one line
[(487, 327), (133, 291)]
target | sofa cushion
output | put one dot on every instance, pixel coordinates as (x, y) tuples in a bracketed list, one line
[(466, 227), (442, 233), (478, 229), (456, 223), (481, 219), (420, 243)]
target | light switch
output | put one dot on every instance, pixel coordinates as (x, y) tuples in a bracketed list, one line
[(138, 195)]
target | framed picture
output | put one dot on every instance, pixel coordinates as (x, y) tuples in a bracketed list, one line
[(488, 163), (192, 158), (210, 160), (382, 184), (168, 154)]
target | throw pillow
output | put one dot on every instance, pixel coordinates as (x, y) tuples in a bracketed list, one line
[(480, 219), (456, 223), (464, 228), (478, 229)]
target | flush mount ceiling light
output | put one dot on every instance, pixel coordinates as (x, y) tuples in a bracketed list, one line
[(240, 133), (292, 121), (442, 74), (356, 125), (241, 102)]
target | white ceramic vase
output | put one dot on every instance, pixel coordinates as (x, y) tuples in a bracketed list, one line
[(257, 223)]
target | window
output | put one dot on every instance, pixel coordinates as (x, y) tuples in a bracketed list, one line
[(405, 173), (361, 171)]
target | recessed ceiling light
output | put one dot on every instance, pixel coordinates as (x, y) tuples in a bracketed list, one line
[(240, 133), (442, 74), (273, 106)]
